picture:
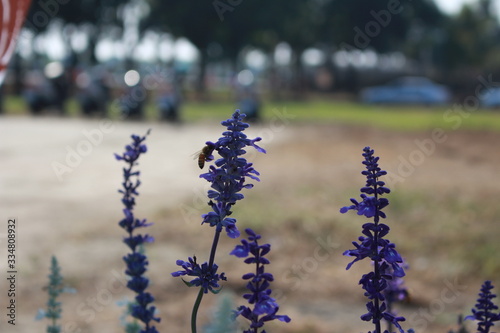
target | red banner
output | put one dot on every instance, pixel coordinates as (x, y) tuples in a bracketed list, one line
[(12, 14)]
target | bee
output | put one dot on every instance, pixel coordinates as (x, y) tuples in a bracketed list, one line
[(204, 155)]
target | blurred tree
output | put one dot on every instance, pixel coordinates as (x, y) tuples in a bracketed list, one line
[(229, 24), (235, 24), (425, 19), (297, 22), (425, 35), (472, 36), (378, 24), (97, 15), (471, 47)]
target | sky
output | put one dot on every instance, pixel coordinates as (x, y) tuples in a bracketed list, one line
[(453, 6)]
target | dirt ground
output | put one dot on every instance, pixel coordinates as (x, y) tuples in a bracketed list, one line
[(59, 181)]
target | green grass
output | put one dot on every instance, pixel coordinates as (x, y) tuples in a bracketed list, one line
[(405, 118)]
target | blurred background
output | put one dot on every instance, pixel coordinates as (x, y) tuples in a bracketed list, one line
[(419, 81), (78, 56)]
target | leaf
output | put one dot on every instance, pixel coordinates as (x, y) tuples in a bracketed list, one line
[(216, 291), (189, 284)]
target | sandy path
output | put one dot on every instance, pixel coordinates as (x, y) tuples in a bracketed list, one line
[(46, 185)]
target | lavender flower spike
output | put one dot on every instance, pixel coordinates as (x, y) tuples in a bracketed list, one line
[(264, 306), (136, 261), (227, 177), (484, 311), (387, 261), (229, 174)]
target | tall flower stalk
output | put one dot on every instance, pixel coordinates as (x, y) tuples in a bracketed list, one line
[(485, 311), (387, 263), (136, 261), (227, 178), (265, 307)]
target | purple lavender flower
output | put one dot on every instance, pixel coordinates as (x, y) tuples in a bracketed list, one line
[(227, 177), (264, 306), (387, 261), (395, 292), (206, 277), (229, 174), (485, 309), (136, 261)]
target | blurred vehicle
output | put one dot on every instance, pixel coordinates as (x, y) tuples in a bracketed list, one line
[(168, 103), (246, 95), (490, 99), (407, 90), (47, 89), (93, 92), (131, 103), (250, 106)]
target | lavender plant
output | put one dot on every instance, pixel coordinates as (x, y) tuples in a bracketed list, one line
[(484, 311), (227, 177), (387, 263), (54, 289), (396, 290), (264, 306), (136, 261)]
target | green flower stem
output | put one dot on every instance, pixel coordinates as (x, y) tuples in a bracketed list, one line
[(215, 242), (200, 294), (195, 310)]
